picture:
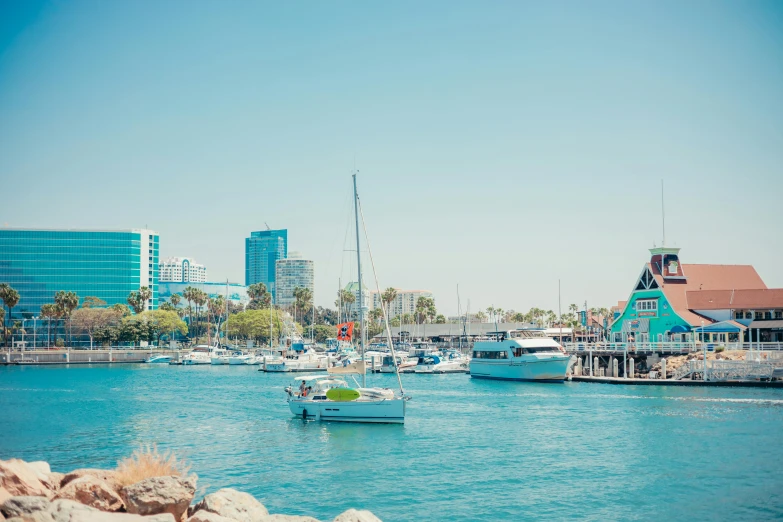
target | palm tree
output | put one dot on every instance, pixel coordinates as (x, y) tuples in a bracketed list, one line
[(304, 298), (491, 313), (259, 296), (200, 300), (66, 303), (388, 295), (499, 313), (145, 294), (175, 299), (189, 293), (344, 298), (480, 315), (49, 311), (10, 297)]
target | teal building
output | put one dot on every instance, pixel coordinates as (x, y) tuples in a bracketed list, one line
[(262, 251), (105, 264), (662, 306)]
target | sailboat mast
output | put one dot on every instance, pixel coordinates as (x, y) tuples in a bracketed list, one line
[(359, 270)]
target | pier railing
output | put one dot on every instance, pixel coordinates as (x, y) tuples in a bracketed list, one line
[(667, 347)]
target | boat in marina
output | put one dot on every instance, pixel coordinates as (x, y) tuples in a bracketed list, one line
[(403, 364), (520, 355), (238, 358), (199, 355), (330, 397), (219, 356), (308, 361), (452, 362), (158, 359)]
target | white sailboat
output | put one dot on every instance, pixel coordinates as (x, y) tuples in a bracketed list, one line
[(330, 397)]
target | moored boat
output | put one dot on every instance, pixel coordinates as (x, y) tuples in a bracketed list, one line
[(158, 358), (520, 356)]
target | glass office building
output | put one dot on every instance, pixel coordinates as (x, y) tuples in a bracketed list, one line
[(105, 264), (262, 250)]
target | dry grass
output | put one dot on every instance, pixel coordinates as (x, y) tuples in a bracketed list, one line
[(147, 462)]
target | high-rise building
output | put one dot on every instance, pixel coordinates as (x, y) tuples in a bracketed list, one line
[(352, 309), (404, 303), (105, 264), (291, 273), (262, 250), (182, 270)]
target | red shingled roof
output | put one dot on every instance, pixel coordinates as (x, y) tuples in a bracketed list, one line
[(706, 277), (735, 299)]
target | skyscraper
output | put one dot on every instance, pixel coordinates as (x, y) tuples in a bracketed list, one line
[(292, 273), (105, 264), (262, 250)]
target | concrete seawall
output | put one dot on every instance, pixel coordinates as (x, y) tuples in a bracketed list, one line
[(46, 357)]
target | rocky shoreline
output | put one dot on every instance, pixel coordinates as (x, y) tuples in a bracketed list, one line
[(32, 492)]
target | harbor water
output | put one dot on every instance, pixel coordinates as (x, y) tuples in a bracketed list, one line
[(469, 449)]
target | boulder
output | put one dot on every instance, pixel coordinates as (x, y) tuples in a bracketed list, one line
[(208, 516), (288, 518), (21, 506), (92, 491), (52, 480), (19, 479), (107, 475), (39, 466), (233, 504), (64, 510), (157, 495), (354, 515)]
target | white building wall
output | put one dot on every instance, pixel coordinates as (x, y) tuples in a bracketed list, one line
[(404, 303), (182, 270)]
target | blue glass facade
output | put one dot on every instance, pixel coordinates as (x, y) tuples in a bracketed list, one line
[(262, 250), (105, 264)]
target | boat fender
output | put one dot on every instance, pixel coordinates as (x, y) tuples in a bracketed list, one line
[(304, 414)]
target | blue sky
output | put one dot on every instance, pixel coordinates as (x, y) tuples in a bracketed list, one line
[(501, 146)]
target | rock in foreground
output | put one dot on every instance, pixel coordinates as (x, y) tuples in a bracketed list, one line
[(233, 505), (159, 495)]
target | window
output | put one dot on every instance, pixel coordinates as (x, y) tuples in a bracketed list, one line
[(647, 305), (767, 315), (738, 315), (779, 314), (748, 315), (490, 355), (759, 315)]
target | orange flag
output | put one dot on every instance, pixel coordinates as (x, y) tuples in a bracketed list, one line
[(344, 331)]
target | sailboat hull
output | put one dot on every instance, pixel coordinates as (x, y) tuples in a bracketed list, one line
[(385, 411)]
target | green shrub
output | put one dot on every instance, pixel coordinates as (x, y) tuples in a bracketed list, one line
[(719, 349)]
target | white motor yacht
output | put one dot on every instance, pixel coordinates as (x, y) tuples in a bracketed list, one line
[(452, 362), (330, 398), (158, 358), (199, 355), (520, 355), (240, 358), (308, 361), (219, 356)]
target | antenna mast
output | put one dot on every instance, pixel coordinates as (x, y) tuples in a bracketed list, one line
[(359, 270), (663, 216)]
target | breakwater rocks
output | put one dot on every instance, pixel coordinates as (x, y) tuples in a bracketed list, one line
[(31, 492)]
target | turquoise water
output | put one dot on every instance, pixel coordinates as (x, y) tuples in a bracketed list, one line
[(469, 450)]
